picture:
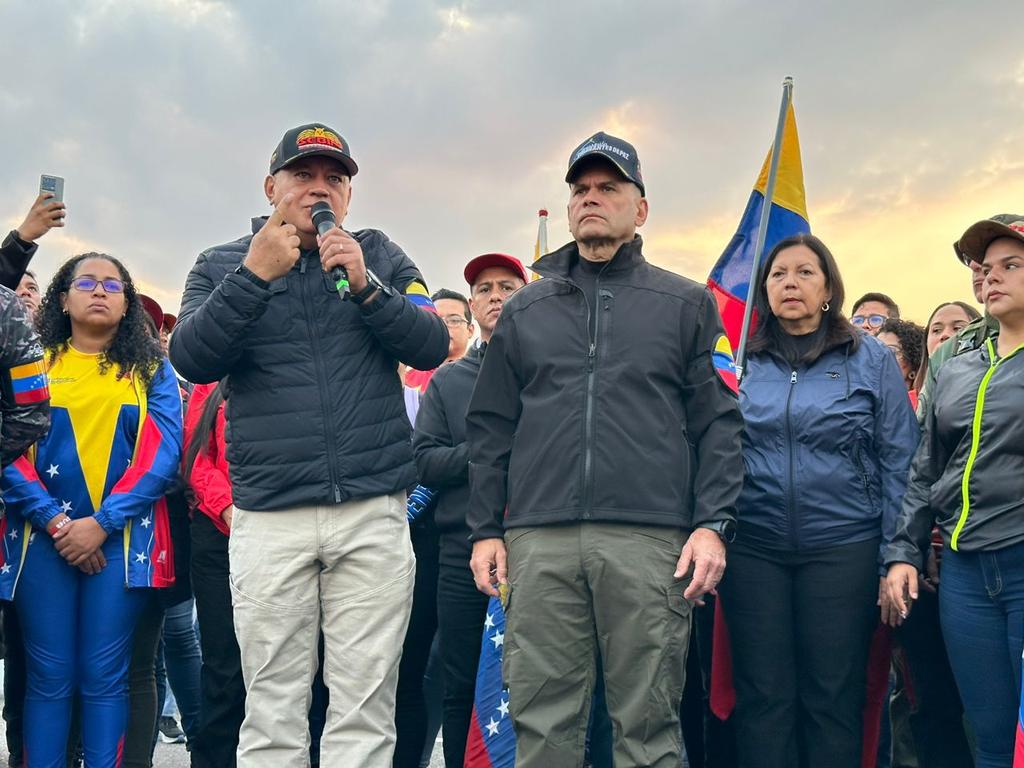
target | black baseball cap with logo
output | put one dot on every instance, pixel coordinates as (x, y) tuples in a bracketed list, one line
[(975, 241), (309, 140), (618, 152)]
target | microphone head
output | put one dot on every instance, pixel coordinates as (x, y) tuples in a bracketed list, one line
[(323, 217)]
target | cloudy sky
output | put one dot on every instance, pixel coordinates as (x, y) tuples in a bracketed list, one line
[(162, 114)]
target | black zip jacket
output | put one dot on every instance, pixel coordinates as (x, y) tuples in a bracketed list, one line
[(442, 455), (24, 418), (15, 254), (315, 411), (626, 423), (968, 473)]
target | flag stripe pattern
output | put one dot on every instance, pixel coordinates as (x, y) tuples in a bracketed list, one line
[(29, 383), (730, 277), (491, 742)]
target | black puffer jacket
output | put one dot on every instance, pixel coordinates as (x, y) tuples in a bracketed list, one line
[(315, 408), (629, 423), (442, 455)]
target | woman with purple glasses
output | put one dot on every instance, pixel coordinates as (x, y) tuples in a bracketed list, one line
[(86, 532)]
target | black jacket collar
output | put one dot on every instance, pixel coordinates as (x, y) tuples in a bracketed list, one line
[(558, 263)]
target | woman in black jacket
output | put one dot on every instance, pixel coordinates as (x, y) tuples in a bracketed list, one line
[(968, 476)]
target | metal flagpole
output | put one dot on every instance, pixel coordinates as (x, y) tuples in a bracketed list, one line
[(762, 229), (542, 232)]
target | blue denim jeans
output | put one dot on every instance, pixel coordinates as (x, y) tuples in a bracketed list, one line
[(180, 646), (981, 606)]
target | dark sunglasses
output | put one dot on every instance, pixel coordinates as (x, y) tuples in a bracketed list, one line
[(110, 285), (872, 321)]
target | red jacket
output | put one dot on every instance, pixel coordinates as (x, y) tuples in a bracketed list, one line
[(209, 479)]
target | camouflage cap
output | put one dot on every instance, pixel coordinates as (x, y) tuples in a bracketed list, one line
[(975, 241)]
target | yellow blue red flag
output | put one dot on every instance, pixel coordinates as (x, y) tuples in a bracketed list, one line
[(729, 280)]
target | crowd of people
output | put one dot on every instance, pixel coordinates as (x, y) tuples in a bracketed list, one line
[(301, 502)]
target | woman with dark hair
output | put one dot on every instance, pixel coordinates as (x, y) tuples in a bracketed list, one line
[(906, 340), (86, 529), (828, 436), (945, 322), (206, 474), (968, 477)]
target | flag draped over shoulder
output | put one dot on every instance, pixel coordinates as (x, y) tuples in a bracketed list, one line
[(729, 279), (491, 742)]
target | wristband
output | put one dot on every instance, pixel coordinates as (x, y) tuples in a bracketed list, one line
[(60, 525), (251, 276)]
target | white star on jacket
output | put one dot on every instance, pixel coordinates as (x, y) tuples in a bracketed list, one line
[(147, 521), (65, 507), (492, 728), (489, 621), (140, 557), (53, 470), (6, 568), (503, 708), (498, 639), (13, 534)]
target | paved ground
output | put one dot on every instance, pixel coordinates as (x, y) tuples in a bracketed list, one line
[(175, 756)]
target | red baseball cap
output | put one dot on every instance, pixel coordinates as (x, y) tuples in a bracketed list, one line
[(480, 263), (153, 310), (169, 322)]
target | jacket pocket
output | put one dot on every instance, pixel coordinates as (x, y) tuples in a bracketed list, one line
[(865, 479)]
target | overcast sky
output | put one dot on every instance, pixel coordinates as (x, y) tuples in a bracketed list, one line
[(162, 115)]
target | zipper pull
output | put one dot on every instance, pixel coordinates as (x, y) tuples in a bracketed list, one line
[(302, 265), (590, 356), (337, 494), (792, 379)]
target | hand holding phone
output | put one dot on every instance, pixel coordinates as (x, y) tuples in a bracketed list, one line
[(48, 210), (54, 184)]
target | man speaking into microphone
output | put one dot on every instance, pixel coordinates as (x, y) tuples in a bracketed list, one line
[(307, 329)]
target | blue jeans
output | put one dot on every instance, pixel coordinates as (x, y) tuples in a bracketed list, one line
[(981, 607), (183, 660)]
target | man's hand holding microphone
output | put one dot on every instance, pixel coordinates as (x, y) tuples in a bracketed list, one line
[(276, 247)]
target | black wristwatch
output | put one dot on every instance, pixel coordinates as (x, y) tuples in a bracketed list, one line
[(373, 284), (726, 529), (251, 276)]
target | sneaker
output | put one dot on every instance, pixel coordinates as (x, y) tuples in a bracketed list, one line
[(170, 733)]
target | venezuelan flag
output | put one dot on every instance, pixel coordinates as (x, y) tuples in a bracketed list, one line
[(730, 277), (417, 294), (491, 742), (1018, 750), (29, 383)]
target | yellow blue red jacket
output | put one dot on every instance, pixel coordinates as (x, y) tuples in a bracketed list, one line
[(142, 463)]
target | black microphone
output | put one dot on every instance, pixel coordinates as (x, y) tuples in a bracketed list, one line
[(324, 221)]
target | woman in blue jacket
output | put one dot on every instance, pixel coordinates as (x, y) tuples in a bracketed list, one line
[(829, 434)]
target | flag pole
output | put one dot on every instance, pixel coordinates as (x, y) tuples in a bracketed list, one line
[(762, 229), (542, 232)]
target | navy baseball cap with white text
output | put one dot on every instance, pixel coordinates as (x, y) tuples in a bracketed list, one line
[(618, 152)]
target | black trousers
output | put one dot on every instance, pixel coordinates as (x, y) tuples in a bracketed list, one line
[(937, 719), (410, 704), (222, 690), (461, 611), (801, 626), (143, 708), (14, 683)]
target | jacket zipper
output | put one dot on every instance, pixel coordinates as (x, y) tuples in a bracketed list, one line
[(588, 409), (979, 408), (792, 479), (332, 457)]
